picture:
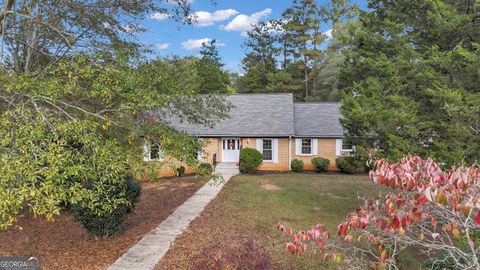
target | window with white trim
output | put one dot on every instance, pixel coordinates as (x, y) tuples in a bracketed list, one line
[(306, 147), (267, 149), (347, 145), (153, 152)]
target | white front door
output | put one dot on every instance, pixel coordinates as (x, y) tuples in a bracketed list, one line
[(230, 150)]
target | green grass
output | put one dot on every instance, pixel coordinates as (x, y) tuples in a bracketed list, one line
[(304, 200)]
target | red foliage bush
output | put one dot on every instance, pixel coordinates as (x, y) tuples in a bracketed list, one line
[(434, 211)]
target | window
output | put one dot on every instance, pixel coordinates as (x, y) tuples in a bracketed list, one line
[(152, 152), (231, 144), (347, 145), (267, 149), (306, 146), (344, 147)]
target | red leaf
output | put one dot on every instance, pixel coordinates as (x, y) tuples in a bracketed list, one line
[(340, 229), (395, 223), (405, 220), (477, 219), (422, 200)]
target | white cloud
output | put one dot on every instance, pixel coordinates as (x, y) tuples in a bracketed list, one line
[(159, 16), (195, 44), (243, 23), (329, 33), (162, 46), (205, 18)]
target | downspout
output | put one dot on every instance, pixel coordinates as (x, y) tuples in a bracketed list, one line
[(289, 153)]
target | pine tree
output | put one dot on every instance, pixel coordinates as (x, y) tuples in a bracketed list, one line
[(212, 77), (261, 58), (302, 32), (410, 82)]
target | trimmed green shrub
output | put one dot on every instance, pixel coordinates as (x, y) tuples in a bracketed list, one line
[(204, 169), (250, 159), (180, 171), (321, 164), (297, 165), (346, 164), (108, 223)]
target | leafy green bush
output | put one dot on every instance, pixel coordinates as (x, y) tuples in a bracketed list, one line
[(180, 171), (45, 170), (110, 223), (347, 164), (204, 169), (297, 165), (321, 164), (250, 159)]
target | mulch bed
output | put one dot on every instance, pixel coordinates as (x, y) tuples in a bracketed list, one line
[(65, 244)]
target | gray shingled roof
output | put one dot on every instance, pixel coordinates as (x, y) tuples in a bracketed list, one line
[(271, 115), (251, 115), (320, 119)]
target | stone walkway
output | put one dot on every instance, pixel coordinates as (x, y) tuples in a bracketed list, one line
[(147, 252)]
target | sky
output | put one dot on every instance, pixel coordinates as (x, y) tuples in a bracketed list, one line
[(227, 22)]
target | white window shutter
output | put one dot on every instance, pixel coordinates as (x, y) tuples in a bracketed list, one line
[(259, 145), (315, 147), (275, 150), (161, 154), (146, 151), (200, 152), (298, 147), (338, 148)]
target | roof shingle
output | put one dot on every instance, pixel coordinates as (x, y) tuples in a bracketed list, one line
[(271, 115), (251, 115), (320, 119)]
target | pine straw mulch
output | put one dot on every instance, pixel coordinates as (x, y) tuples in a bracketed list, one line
[(65, 244)]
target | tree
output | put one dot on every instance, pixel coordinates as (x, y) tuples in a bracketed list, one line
[(38, 33), (261, 59), (77, 101), (302, 32), (326, 74), (213, 79), (410, 82)]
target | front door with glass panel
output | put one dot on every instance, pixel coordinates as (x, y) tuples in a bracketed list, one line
[(230, 150)]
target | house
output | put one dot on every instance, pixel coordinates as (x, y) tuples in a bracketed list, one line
[(273, 124)]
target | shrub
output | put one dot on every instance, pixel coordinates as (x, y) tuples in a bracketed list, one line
[(204, 169), (250, 159), (297, 165), (109, 223), (180, 171), (321, 164), (346, 164), (72, 166)]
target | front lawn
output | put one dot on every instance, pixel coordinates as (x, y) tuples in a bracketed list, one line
[(65, 244), (252, 206)]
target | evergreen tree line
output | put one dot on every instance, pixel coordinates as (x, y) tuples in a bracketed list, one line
[(293, 54)]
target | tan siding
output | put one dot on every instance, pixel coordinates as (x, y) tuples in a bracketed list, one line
[(326, 149), (212, 146), (282, 164)]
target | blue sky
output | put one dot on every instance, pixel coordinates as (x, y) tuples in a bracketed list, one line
[(226, 22)]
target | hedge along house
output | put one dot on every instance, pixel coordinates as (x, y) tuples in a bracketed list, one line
[(273, 124)]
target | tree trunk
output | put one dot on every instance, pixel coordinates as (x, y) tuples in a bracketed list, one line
[(305, 71)]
